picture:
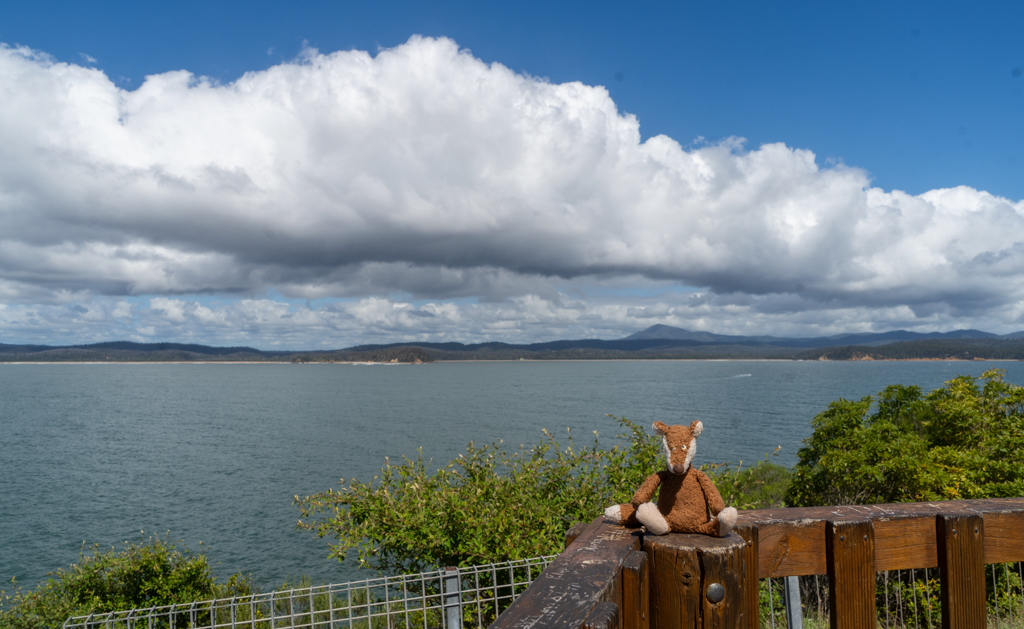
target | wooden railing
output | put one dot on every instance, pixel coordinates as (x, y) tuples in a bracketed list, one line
[(610, 577)]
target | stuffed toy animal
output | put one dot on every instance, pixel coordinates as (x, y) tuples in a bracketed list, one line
[(689, 502)]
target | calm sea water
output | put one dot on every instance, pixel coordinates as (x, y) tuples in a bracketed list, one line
[(213, 454)]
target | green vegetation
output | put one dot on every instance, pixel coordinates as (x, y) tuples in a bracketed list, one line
[(925, 349), (762, 486), (492, 504), (489, 504), (963, 440), (149, 573), (384, 355)]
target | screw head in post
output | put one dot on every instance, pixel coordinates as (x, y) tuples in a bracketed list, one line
[(716, 593)]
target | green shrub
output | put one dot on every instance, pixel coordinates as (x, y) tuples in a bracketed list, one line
[(489, 504), (959, 441), (762, 486), (493, 504), (151, 572), (962, 440)]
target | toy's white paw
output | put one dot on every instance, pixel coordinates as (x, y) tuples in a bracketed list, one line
[(614, 513), (726, 521), (650, 517)]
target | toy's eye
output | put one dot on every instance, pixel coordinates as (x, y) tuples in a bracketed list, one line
[(674, 448), (683, 447)]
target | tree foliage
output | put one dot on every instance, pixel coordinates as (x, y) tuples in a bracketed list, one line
[(149, 573), (489, 504), (761, 486), (494, 504), (962, 440)]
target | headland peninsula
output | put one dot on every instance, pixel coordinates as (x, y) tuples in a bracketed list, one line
[(658, 342)]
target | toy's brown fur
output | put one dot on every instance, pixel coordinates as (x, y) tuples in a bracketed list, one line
[(688, 501)]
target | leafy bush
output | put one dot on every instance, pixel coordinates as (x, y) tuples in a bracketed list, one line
[(960, 441), (492, 504), (489, 504), (762, 486), (146, 574)]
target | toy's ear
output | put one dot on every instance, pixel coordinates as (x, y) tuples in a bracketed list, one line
[(659, 428), (696, 428)]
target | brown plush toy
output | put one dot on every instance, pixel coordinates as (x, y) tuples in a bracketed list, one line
[(689, 502)]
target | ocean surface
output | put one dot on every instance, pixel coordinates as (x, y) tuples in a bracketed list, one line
[(212, 454)]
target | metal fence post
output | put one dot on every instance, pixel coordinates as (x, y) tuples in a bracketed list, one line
[(452, 599), (794, 613)]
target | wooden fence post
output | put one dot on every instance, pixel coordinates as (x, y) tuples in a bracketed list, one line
[(605, 615), (696, 582), (636, 591), (962, 565), (575, 531), (751, 571), (850, 557)]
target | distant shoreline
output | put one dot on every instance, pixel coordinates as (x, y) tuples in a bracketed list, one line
[(497, 360), (644, 346)]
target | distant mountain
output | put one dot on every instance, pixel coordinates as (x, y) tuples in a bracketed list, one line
[(998, 348), (125, 351), (656, 342), (181, 347), (668, 332)]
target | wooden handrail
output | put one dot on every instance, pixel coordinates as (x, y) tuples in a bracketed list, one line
[(611, 577), (792, 540), (568, 591)]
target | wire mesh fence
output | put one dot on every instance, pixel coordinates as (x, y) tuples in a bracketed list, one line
[(452, 598), (903, 599)]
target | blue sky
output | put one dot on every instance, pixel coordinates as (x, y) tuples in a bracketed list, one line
[(788, 168)]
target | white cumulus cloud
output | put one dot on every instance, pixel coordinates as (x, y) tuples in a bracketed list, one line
[(426, 173)]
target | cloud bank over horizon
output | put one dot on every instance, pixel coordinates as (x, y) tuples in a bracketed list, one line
[(424, 194)]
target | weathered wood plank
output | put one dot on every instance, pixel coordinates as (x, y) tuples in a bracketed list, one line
[(636, 591), (787, 542), (791, 548), (675, 581), (604, 615), (792, 541), (575, 531), (961, 560), (584, 574), (750, 575), (850, 550), (871, 512), (722, 565), (907, 542), (1004, 537), (682, 569)]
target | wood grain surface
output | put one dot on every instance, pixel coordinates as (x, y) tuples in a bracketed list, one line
[(749, 576), (604, 615), (961, 560), (682, 568), (792, 541), (636, 591), (850, 550), (586, 573)]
